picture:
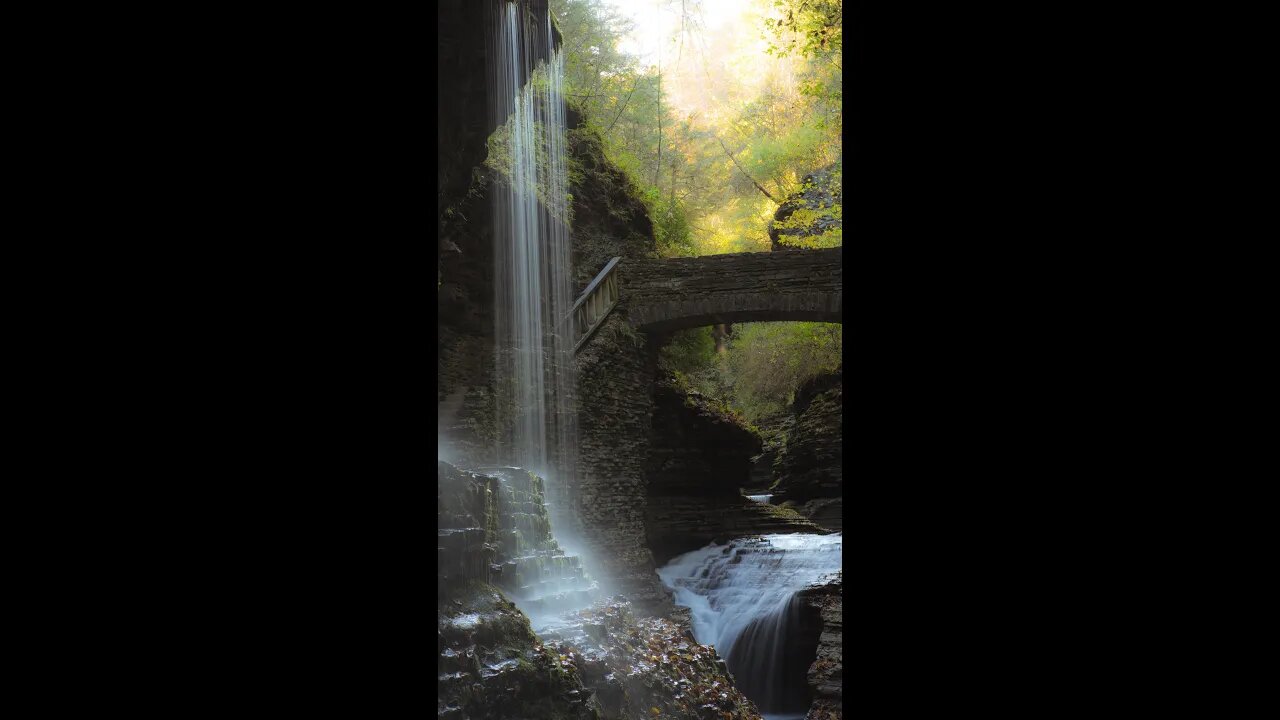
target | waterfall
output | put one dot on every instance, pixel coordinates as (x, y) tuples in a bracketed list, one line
[(533, 282), (742, 599)]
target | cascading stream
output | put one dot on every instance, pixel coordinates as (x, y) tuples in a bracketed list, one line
[(742, 599)]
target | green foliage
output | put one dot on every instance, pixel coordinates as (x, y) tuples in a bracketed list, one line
[(499, 159), (806, 219), (811, 28), (767, 362), (689, 351), (671, 227), (761, 369)]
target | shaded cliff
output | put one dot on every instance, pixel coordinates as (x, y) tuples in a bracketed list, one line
[(464, 57), (609, 220), (465, 119), (826, 673), (809, 468), (699, 459), (810, 462)]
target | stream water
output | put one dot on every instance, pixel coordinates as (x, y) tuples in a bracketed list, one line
[(742, 599)]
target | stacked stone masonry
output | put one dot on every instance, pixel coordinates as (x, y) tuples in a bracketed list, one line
[(615, 378), (680, 293)]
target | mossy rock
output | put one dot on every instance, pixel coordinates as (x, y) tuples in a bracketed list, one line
[(491, 665)]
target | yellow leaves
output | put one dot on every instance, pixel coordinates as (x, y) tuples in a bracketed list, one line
[(656, 712)]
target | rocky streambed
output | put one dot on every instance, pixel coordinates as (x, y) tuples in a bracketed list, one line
[(589, 657), (602, 662)]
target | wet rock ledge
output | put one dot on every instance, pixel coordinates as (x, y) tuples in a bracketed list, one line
[(488, 664)]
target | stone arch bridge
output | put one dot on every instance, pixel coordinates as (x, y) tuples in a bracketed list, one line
[(670, 294), (616, 503)]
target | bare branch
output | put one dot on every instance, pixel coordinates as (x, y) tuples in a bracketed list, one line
[(744, 172)]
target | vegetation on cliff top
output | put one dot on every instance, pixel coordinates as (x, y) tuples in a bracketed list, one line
[(761, 367), (718, 112)]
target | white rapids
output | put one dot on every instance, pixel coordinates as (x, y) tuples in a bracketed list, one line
[(724, 594)]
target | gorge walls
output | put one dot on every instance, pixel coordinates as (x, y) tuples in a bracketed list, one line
[(698, 461), (809, 468)]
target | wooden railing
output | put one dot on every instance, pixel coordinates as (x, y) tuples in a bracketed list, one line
[(596, 302)]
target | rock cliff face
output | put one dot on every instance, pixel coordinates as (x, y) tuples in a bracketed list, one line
[(608, 219), (816, 210), (462, 81), (826, 674), (608, 222), (773, 430), (699, 459), (464, 339), (615, 370), (615, 383), (696, 450), (493, 528), (493, 539), (461, 96), (809, 469), (464, 226)]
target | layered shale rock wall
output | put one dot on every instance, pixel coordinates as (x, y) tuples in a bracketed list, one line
[(810, 467), (464, 239), (494, 539), (699, 459), (826, 674)]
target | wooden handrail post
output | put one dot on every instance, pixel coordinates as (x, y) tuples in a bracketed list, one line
[(595, 303)]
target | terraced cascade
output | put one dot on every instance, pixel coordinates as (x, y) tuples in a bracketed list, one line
[(746, 599), (494, 528), (539, 576)]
